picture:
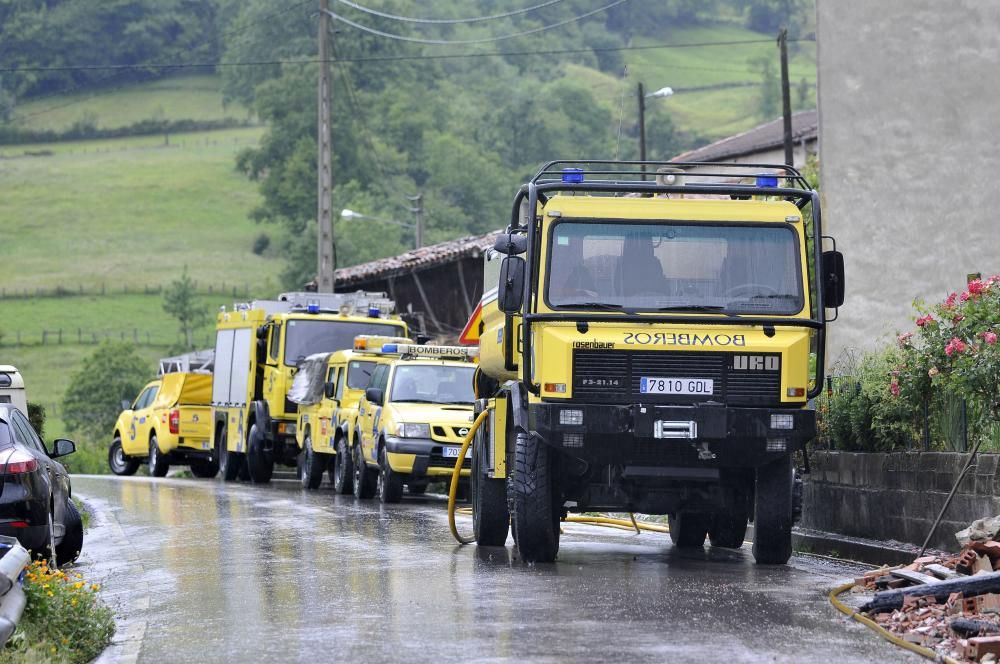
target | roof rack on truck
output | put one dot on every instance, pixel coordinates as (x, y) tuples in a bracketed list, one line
[(199, 361), (372, 304)]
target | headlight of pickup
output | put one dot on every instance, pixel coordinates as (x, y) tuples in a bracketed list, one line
[(411, 430)]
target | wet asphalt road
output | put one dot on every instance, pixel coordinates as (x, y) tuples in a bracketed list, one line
[(201, 571)]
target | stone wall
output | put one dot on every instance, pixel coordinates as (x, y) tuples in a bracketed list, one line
[(897, 496)]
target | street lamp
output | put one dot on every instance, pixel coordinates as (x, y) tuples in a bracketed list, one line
[(352, 215), (662, 92)]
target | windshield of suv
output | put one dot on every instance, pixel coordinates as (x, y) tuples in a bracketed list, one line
[(672, 266), (430, 383), (306, 337)]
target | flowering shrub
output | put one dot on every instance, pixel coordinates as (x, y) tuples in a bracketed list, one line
[(954, 349), (63, 621)]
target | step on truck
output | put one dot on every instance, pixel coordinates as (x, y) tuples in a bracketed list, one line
[(259, 347), (652, 346)]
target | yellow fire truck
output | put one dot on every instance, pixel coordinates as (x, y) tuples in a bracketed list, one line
[(651, 347), (259, 347)]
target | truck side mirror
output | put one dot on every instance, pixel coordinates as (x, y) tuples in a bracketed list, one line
[(374, 395), (61, 447), (329, 389), (126, 404), (833, 279), (510, 293), (510, 244)]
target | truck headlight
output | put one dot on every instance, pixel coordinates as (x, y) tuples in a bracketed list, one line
[(782, 421), (412, 430)]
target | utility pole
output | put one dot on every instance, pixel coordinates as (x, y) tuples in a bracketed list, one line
[(418, 218), (324, 161), (786, 99), (642, 129)]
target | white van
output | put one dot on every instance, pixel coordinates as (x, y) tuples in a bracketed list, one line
[(12, 388)]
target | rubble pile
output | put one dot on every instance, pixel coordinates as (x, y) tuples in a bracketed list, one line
[(947, 603)]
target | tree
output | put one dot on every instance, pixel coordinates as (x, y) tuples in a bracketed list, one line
[(114, 372), (770, 87), (181, 302)]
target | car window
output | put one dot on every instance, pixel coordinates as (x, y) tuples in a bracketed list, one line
[(139, 400), (340, 384), (380, 377), (150, 396), (25, 433), (6, 438)]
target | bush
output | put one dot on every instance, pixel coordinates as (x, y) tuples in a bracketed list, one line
[(261, 243), (36, 415), (64, 620)]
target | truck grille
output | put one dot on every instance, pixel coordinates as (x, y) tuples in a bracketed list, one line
[(437, 460), (615, 377)]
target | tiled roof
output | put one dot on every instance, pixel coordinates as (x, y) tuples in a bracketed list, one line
[(805, 125), (416, 259)]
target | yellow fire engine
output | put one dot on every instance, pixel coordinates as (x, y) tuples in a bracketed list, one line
[(651, 347), (259, 347)]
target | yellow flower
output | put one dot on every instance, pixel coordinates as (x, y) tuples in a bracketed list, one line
[(95, 587), (78, 585), (72, 602), (51, 594)]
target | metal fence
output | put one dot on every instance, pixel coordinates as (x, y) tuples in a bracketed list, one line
[(236, 291)]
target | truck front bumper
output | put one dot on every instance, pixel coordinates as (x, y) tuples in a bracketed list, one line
[(638, 433), (422, 457)]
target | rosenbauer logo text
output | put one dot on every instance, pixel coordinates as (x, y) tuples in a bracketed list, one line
[(683, 339)]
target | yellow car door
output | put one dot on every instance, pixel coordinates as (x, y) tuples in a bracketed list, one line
[(135, 438)]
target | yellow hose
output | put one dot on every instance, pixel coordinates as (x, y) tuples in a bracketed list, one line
[(881, 631), (456, 473)]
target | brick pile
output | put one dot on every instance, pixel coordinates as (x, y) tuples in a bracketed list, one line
[(966, 628)]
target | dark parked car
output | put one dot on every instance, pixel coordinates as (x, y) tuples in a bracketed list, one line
[(35, 488)]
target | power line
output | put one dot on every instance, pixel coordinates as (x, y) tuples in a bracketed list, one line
[(466, 42), (386, 58), (262, 19), (447, 21)]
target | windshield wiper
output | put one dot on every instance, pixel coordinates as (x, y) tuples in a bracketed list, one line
[(707, 308), (607, 306), (414, 401)]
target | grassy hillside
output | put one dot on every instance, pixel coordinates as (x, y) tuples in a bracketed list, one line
[(176, 98)]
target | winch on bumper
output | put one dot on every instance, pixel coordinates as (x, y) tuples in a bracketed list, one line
[(732, 436), (423, 457)]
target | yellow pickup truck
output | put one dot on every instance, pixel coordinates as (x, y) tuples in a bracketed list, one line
[(170, 422)]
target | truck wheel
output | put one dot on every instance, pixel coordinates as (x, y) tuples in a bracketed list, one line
[(688, 529), (389, 485), (536, 500), (121, 464), (259, 463), (772, 522), (728, 530), (313, 465), (205, 468), (231, 462), (343, 469), (490, 514), (159, 463), (364, 478), (72, 542)]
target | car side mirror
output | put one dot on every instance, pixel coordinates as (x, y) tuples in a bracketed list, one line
[(329, 389), (511, 244), (61, 447), (833, 279), (126, 404), (510, 293), (374, 395)]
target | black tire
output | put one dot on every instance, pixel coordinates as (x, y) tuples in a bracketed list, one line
[(343, 469), (536, 503), (69, 548), (260, 465), (231, 462), (364, 477), (313, 466), (728, 530), (119, 463), (389, 485), (159, 463), (490, 514), (688, 529), (772, 521), (205, 468)]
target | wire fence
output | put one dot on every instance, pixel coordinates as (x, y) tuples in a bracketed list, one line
[(80, 337), (236, 291)]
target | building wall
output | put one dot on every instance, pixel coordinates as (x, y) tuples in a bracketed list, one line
[(908, 128)]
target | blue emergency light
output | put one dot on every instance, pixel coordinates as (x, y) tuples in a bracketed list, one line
[(313, 307), (572, 175), (390, 348), (767, 180)]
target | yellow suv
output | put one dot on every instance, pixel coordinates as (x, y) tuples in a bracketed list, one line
[(327, 420), (412, 419)]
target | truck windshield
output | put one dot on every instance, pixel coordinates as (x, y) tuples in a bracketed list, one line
[(306, 337), (430, 383), (673, 266)]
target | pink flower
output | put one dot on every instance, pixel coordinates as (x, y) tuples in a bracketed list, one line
[(964, 297), (976, 287), (894, 388), (990, 337), (904, 339), (924, 320), (956, 345), (957, 318), (949, 303)]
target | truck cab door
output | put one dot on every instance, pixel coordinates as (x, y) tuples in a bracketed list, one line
[(135, 437)]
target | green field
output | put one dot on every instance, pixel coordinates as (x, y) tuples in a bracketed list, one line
[(176, 98)]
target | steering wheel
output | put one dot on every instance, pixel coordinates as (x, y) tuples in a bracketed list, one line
[(751, 290)]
